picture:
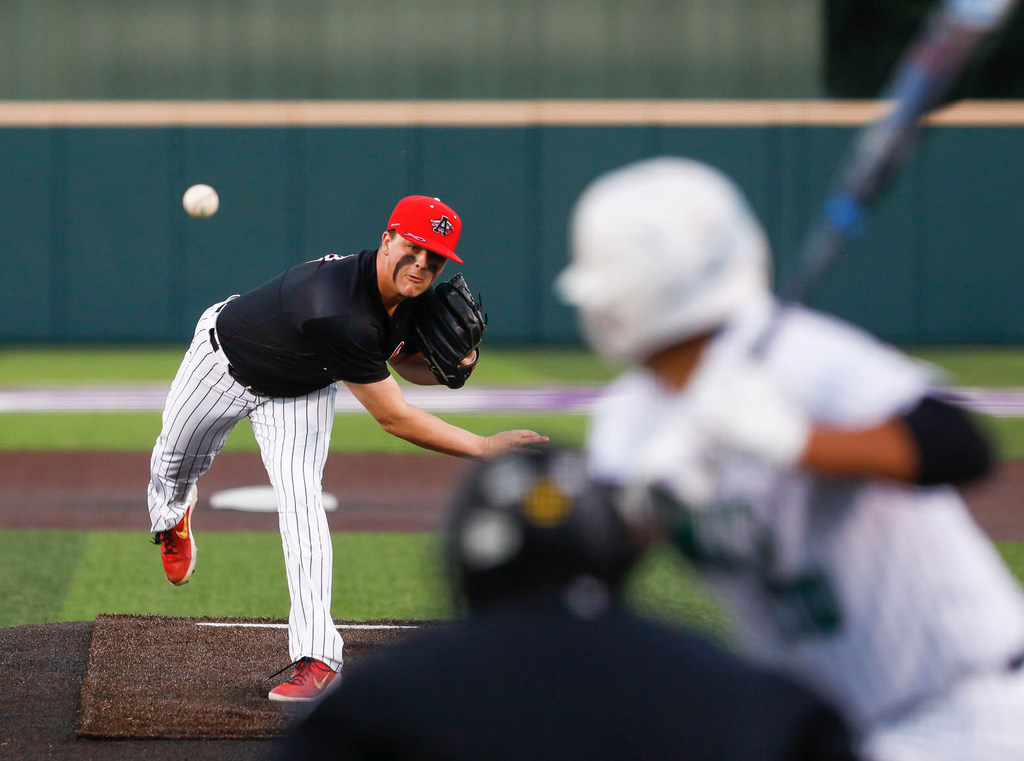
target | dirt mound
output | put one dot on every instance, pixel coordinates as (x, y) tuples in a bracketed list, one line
[(212, 679), (43, 670)]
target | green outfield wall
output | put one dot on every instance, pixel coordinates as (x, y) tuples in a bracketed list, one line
[(95, 247)]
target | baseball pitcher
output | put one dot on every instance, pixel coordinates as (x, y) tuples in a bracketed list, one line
[(274, 354)]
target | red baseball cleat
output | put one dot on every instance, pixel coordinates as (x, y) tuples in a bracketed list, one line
[(178, 546), (308, 682)]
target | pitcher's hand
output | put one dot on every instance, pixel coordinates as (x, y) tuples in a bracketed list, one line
[(503, 442)]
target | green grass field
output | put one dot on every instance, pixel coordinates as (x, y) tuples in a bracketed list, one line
[(119, 431), (71, 575), (136, 431), (56, 365), (74, 576)]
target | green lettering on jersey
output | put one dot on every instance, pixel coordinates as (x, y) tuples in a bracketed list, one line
[(726, 537)]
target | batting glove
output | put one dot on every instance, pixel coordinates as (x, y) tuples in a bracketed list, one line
[(739, 407)]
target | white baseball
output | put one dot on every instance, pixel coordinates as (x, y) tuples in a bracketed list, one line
[(201, 201)]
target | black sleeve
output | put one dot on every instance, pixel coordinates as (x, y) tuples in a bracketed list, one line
[(326, 733), (953, 449), (410, 345)]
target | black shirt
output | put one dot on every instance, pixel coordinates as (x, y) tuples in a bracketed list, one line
[(533, 681), (314, 324)]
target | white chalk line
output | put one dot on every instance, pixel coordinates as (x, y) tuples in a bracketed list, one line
[(285, 626)]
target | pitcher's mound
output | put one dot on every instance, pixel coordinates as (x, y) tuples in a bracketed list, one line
[(195, 678)]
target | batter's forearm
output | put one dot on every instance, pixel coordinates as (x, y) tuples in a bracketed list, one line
[(887, 451), (934, 443)]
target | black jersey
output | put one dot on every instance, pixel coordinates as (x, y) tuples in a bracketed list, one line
[(533, 681), (314, 324)]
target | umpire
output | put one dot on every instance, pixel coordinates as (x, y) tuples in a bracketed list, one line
[(550, 664), (273, 355)]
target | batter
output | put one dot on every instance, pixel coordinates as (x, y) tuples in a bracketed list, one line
[(812, 482)]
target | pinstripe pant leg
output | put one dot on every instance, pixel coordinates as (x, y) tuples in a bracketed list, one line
[(203, 405), (978, 719), (294, 435)]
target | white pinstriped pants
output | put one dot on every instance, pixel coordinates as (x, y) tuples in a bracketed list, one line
[(203, 405), (979, 719)]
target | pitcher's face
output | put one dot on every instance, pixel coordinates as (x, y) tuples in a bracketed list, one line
[(412, 268)]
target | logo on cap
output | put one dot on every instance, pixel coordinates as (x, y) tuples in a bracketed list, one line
[(414, 219), (442, 226)]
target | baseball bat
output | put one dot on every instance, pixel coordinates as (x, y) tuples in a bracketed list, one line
[(931, 64)]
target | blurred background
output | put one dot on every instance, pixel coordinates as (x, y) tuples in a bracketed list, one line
[(95, 248), (492, 49), (312, 118), (408, 49)]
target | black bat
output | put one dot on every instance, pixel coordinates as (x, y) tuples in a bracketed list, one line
[(932, 63)]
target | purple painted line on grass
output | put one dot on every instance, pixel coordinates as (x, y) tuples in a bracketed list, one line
[(999, 402), (572, 399)]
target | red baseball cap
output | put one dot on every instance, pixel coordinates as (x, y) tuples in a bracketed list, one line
[(428, 222)]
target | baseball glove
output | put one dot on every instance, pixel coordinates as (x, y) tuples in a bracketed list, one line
[(449, 325)]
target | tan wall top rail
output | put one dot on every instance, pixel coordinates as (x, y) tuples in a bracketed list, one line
[(482, 113)]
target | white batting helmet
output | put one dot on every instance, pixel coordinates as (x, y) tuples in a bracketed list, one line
[(662, 250)]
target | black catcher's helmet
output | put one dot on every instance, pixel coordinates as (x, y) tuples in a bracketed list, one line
[(531, 521)]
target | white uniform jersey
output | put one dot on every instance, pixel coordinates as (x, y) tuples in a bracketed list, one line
[(879, 594)]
